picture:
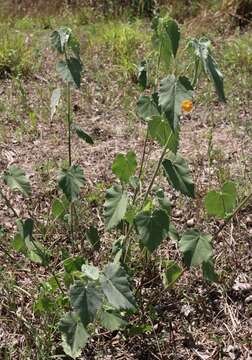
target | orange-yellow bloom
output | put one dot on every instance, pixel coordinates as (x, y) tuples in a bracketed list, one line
[(187, 105)]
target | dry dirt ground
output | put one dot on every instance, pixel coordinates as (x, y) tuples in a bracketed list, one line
[(195, 320)]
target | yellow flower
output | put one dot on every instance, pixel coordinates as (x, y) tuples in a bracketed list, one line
[(187, 105)]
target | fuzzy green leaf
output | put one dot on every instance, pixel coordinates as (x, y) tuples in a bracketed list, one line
[(70, 181), (92, 272), (59, 39), (172, 93), (112, 321), (70, 70), (115, 285), (86, 300), (146, 107), (152, 227), (115, 206), (202, 51), (221, 203), (74, 335), (16, 179), (161, 131), (124, 166), (178, 174), (196, 247)]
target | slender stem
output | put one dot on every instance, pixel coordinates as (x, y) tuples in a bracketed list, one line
[(69, 123), (127, 240), (141, 165), (158, 64), (157, 170), (230, 217), (7, 201), (57, 281)]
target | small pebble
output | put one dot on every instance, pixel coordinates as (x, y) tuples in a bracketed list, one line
[(190, 222)]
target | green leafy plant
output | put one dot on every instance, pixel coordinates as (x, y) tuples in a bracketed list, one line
[(69, 68)]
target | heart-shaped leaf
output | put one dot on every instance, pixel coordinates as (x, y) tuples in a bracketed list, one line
[(74, 335), (166, 39), (220, 203), (70, 181), (124, 166), (16, 179), (196, 247), (146, 107), (115, 285), (115, 206), (86, 300), (178, 174), (202, 52), (172, 93), (152, 227), (70, 70), (59, 39)]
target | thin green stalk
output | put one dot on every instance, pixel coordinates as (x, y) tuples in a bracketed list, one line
[(157, 170), (127, 240), (230, 217), (141, 164), (69, 123)]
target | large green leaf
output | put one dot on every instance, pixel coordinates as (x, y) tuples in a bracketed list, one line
[(166, 39), (172, 93), (59, 39), (203, 52), (115, 206), (124, 166), (196, 247), (146, 107), (115, 285), (178, 174), (16, 179), (86, 300), (74, 335), (220, 203), (70, 70), (112, 321), (70, 181), (152, 227), (161, 131)]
